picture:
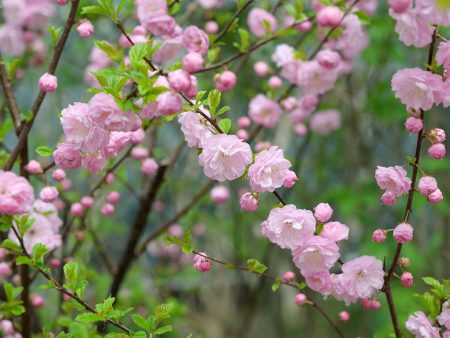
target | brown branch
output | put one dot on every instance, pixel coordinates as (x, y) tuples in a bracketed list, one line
[(10, 98)]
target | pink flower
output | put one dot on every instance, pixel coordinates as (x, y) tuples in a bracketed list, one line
[(169, 103), (5, 270), (437, 151), (290, 179), (335, 231), (289, 227), (344, 316), (244, 122), (80, 131), (261, 22), (320, 282), (107, 209), (275, 82), (329, 16), (48, 83), (94, 162), (202, 263), (437, 135), (11, 40), (261, 68), (317, 254), (87, 201), (393, 179), (225, 157), (353, 39), (264, 111), (104, 111), (388, 198), (59, 175), (421, 326), (417, 88), (159, 23), (48, 194), (225, 81), (195, 128), (16, 194), (283, 54), (34, 167), (300, 299), (76, 209), (362, 276), (403, 233), (168, 50), (85, 29), (443, 54), (211, 27), (326, 121), (412, 28), (433, 12), (435, 197), (444, 317), (195, 40), (149, 166), (379, 236), (288, 276), (67, 157), (179, 80), (249, 201), (400, 6), (310, 76), (209, 4), (220, 194), (406, 279), (413, 124), (269, 170), (323, 212), (193, 62), (427, 185), (328, 59)]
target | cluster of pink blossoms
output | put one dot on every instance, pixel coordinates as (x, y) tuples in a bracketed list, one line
[(25, 23), (422, 326), (94, 132)]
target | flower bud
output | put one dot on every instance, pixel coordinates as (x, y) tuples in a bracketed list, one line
[(249, 201), (87, 201), (413, 124), (220, 194), (34, 168), (437, 151), (288, 276), (323, 212), (37, 302), (406, 279), (48, 194), (435, 196), (290, 179), (275, 82), (300, 299), (329, 16), (113, 197), (140, 153), (193, 62), (107, 209), (403, 233), (48, 83), (85, 29), (225, 81), (149, 166), (76, 209), (379, 236), (388, 198), (436, 135), (261, 68), (211, 27), (244, 122), (59, 175), (344, 316)]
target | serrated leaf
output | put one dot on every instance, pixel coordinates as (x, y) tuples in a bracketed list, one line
[(225, 125), (88, 318), (256, 266), (141, 322), (163, 329), (214, 98), (43, 151), (276, 284), (54, 33), (24, 260), (11, 245)]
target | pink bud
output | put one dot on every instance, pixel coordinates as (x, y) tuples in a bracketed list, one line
[(220, 194), (37, 302), (149, 166), (34, 167), (7, 327), (137, 136), (290, 179), (244, 122), (179, 80), (323, 212), (288, 276), (62, 2), (427, 185), (113, 197), (375, 304), (300, 129), (344, 316), (435, 196), (76, 209), (193, 62), (139, 30), (329, 16), (48, 83), (211, 27), (388, 198), (48, 194), (261, 68), (225, 81), (437, 151), (169, 103), (366, 303), (300, 299), (379, 236), (413, 124), (59, 175), (275, 82), (66, 298), (139, 153), (304, 26), (202, 263), (85, 29), (407, 279), (404, 262), (399, 6), (87, 201), (403, 233), (437, 135), (5, 270), (107, 209), (55, 263), (66, 184), (110, 179), (328, 59), (242, 134), (249, 201)]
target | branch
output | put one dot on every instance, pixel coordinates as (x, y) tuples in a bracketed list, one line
[(10, 98)]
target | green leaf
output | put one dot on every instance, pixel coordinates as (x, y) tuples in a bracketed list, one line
[(163, 329), (24, 260), (11, 245), (276, 284), (256, 266), (141, 322), (214, 97), (38, 252), (43, 151), (199, 97), (223, 110), (97, 10), (244, 39), (88, 317), (54, 33), (225, 125), (71, 274)]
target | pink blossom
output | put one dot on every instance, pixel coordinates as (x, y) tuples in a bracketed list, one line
[(328, 59), (421, 326), (149, 166), (290, 179), (403, 233), (139, 153), (169, 103), (137, 136), (437, 151), (202, 263), (37, 302), (261, 22), (5, 270), (193, 62), (412, 28), (48, 83), (444, 316), (435, 197), (168, 50), (413, 124), (244, 122), (195, 40), (433, 12), (159, 23), (225, 157), (48, 194), (11, 42), (67, 157), (317, 254), (211, 27), (406, 279), (443, 54), (249, 201), (107, 209), (113, 197), (261, 68), (59, 175), (388, 198), (288, 276), (335, 231), (264, 111), (195, 128), (311, 77), (76, 209), (179, 80), (400, 6), (85, 29), (34, 167), (427, 185), (353, 39), (283, 54), (210, 4), (275, 82), (16, 194), (326, 121), (344, 316), (300, 299), (104, 111), (94, 162), (87, 201), (320, 282), (225, 81), (437, 135), (379, 236), (417, 88), (220, 194), (289, 227), (393, 179), (269, 170), (323, 212), (329, 16)]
